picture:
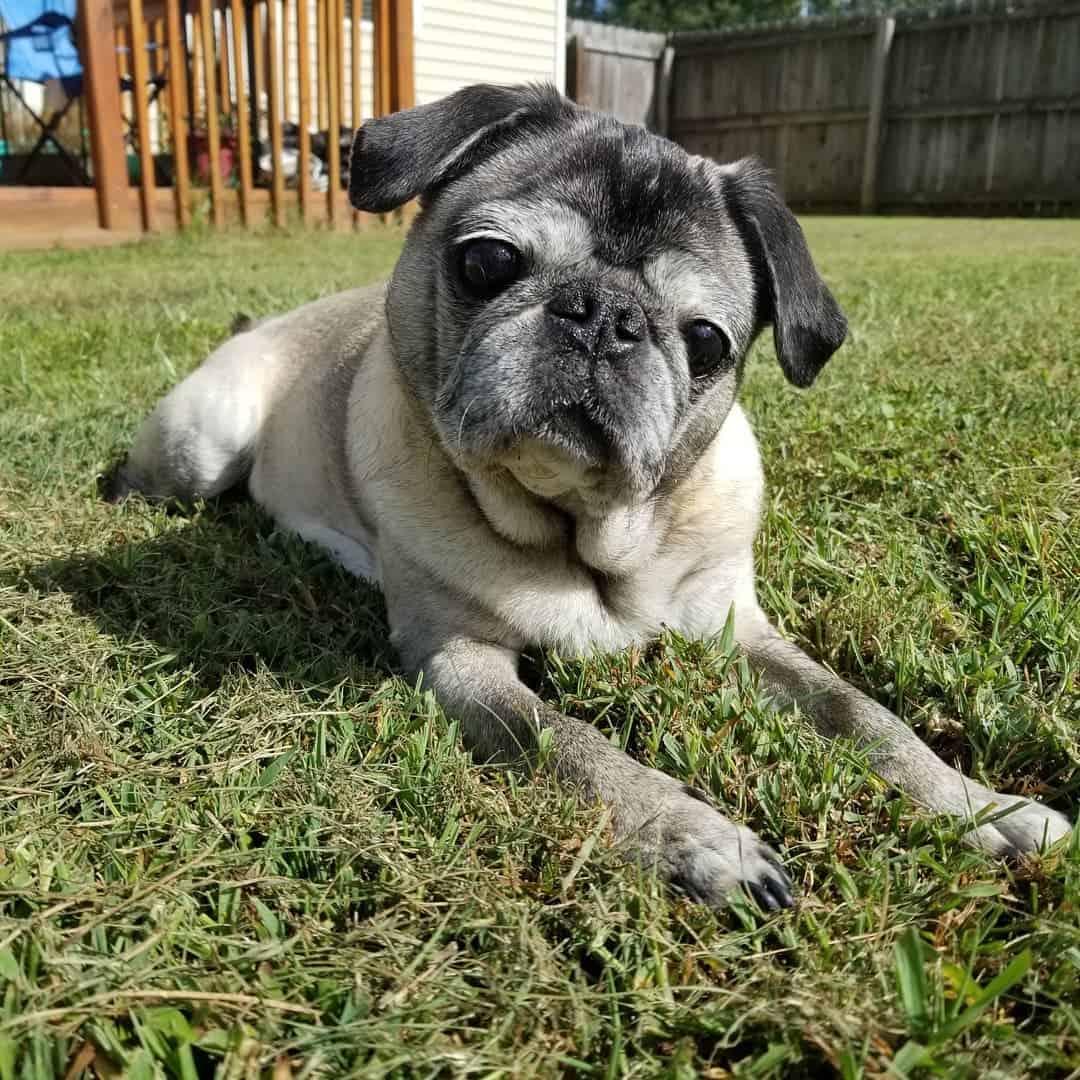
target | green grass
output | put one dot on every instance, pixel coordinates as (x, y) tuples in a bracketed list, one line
[(233, 844)]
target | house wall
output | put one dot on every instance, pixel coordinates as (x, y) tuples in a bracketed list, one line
[(502, 41)]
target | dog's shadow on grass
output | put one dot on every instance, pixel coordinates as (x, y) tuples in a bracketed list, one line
[(220, 588)]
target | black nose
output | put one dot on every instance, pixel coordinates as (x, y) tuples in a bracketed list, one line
[(598, 320)]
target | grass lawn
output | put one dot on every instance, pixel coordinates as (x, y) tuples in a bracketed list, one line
[(232, 843)]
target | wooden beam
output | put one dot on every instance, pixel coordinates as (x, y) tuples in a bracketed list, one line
[(383, 69), (355, 46), (224, 88), (258, 75), (404, 79), (213, 134), (339, 61), (879, 73), (303, 48), (157, 67), (355, 112), (97, 48), (177, 113), (333, 126), (286, 56), (321, 64), (277, 176), (665, 68), (243, 127), (140, 76)]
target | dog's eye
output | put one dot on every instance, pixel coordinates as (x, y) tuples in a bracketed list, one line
[(488, 266), (707, 346)]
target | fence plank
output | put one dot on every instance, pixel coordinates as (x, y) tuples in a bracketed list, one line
[(333, 34), (381, 40), (140, 76), (97, 46), (303, 47), (321, 19), (878, 81), (213, 133), (245, 188), (258, 70), (277, 174), (178, 114), (223, 80), (286, 58)]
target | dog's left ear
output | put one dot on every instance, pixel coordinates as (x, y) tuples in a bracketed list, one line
[(808, 325), (412, 153)]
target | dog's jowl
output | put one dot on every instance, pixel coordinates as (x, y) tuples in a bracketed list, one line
[(529, 437)]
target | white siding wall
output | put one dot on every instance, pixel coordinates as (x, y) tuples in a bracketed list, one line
[(502, 41)]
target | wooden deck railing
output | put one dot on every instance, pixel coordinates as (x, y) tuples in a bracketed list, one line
[(215, 84)]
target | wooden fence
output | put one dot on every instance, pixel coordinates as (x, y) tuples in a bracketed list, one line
[(964, 110), (209, 83)]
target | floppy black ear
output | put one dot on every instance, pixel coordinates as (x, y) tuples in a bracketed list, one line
[(808, 325), (395, 158)]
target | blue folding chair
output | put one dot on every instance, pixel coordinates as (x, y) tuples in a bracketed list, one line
[(37, 44)]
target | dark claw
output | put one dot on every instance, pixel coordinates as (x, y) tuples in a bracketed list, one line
[(762, 896), (774, 892)]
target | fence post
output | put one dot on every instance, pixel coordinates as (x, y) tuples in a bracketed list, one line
[(404, 76), (663, 91), (879, 71), (178, 73), (97, 46), (140, 75), (575, 68)]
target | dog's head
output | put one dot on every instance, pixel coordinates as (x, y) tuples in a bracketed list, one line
[(576, 298)]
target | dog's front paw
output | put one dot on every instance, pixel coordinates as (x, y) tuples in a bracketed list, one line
[(709, 857), (1013, 827)]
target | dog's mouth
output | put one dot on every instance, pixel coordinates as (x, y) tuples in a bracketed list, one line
[(568, 451)]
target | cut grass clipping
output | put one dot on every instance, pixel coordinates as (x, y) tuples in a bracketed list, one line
[(232, 843)]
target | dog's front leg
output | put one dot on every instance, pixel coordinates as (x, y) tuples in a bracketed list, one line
[(657, 820), (896, 752)]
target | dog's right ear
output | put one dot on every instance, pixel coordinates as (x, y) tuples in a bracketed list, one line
[(398, 157)]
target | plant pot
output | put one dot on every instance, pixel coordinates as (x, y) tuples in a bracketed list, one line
[(199, 153)]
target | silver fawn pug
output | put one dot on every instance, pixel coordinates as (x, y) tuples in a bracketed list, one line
[(529, 437)]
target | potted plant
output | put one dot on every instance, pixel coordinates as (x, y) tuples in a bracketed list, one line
[(199, 150)]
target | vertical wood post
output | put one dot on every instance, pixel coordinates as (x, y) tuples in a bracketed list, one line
[(97, 47), (303, 50), (286, 56), (224, 82), (339, 60), (277, 175), (257, 51), (140, 77), (243, 125), (331, 10), (383, 72), (575, 68), (177, 113), (321, 17), (404, 78), (355, 28), (664, 69), (879, 73), (999, 93), (357, 101), (213, 133)]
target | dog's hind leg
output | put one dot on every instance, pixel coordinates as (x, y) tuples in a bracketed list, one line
[(200, 440)]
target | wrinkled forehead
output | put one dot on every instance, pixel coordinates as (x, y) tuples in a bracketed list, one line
[(604, 191)]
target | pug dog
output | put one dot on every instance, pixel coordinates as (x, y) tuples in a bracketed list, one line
[(530, 438)]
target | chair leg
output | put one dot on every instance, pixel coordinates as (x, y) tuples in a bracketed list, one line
[(48, 135)]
